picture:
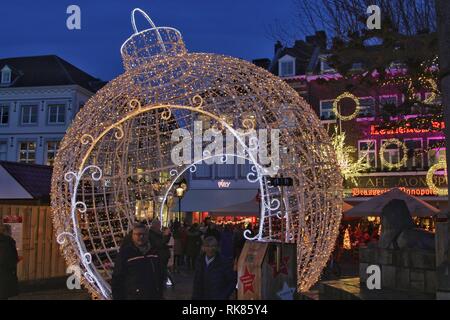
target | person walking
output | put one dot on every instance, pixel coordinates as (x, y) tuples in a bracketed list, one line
[(178, 248), (193, 246), (8, 264), (138, 273), (226, 242), (214, 278)]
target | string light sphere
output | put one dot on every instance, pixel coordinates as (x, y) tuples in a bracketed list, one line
[(389, 164), (336, 106), (441, 165), (116, 160)]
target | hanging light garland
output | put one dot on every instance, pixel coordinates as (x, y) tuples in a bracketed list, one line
[(336, 106), (441, 165), (399, 144)]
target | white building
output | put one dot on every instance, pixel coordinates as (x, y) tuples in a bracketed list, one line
[(39, 97)]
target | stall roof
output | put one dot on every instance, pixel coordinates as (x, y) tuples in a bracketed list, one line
[(232, 202), (375, 205), (21, 181)]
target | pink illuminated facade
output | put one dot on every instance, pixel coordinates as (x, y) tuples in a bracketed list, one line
[(320, 85)]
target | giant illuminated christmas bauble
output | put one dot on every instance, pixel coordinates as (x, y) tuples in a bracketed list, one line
[(114, 165)]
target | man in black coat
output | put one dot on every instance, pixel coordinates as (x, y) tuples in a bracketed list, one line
[(138, 273), (8, 264), (214, 278)]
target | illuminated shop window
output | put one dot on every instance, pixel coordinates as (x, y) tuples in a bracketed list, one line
[(367, 107), (52, 148), (27, 152), (391, 153), (436, 150), (326, 110), (367, 149), (415, 153), (386, 102)]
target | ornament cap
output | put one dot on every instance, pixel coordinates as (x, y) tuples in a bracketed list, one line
[(146, 44)]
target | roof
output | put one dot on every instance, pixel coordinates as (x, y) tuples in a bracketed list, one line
[(306, 53), (35, 179), (49, 70), (375, 205)]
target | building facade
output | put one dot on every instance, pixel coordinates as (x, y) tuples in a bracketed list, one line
[(39, 97), (309, 73)]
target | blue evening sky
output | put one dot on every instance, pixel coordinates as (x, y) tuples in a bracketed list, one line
[(230, 27)]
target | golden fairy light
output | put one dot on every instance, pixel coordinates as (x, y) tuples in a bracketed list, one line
[(441, 165), (336, 108), (350, 169), (389, 164), (116, 155)]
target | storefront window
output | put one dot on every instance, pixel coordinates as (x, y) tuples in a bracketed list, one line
[(436, 150), (367, 149), (415, 153), (391, 153)]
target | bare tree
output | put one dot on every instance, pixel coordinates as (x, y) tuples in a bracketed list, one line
[(343, 18)]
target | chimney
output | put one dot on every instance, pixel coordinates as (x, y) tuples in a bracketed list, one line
[(278, 46), (299, 43), (262, 63)]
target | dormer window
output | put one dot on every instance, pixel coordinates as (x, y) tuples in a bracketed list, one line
[(286, 66), (6, 75), (357, 66), (324, 66)]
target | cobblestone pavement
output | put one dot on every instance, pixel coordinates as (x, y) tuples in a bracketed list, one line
[(181, 290)]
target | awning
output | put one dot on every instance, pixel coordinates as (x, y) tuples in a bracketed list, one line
[(375, 205), (237, 202)]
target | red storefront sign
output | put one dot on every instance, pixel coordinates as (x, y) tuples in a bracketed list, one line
[(375, 129)]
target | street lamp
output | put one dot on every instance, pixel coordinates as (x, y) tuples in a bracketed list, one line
[(179, 191)]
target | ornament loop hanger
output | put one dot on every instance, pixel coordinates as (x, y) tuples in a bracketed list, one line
[(145, 15)]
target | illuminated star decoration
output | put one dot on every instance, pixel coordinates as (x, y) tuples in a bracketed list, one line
[(286, 293), (247, 280), (283, 267)]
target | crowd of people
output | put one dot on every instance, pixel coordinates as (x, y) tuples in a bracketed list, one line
[(147, 258)]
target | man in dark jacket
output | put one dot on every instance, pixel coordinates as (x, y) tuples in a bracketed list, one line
[(138, 274), (8, 264), (214, 278)]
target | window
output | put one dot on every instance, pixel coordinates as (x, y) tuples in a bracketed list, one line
[(27, 152), (3, 150), (286, 66), (436, 150), (225, 171), (391, 153), (389, 100), (326, 110), (6, 75), (324, 66), (415, 153), (56, 113), (367, 107), (368, 150), (203, 172), (357, 66), (52, 148), (29, 114), (4, 114)]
